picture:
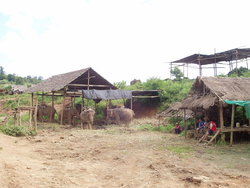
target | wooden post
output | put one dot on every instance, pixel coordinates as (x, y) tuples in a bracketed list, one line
[(221, 115), (52, 105), (185, 123), (35, 115), (32, 99), (221, 119), (232, 124), (187, 70), (61, 120)]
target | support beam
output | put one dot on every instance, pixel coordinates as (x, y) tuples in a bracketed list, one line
[(232, 124)]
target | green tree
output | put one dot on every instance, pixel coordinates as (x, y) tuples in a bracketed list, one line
[(177, 73), (120, 85), (238, 72), (2, 74), (11, 77), (19, 80)]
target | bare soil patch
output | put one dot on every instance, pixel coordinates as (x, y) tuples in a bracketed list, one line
[(119, 157)]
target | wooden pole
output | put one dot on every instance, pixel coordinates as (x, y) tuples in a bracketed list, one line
[(63, 104), (35, 115), (185, 123), (32, 99), (52, 105), (232, 124), (221, 119), (221, 115)]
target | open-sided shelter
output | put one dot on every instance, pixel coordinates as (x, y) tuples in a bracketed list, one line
[(214, 95), (229, 57)]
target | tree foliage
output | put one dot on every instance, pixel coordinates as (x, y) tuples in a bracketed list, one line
[(177, 73), (18, 80), (242, 72)]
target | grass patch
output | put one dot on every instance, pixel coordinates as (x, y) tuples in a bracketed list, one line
[(180, 150), (12, 130), (161, 128)]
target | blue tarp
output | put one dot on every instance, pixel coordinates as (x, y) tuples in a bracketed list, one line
[(107, 94)]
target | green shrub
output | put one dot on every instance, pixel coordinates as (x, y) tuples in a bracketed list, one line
[(17, 131)]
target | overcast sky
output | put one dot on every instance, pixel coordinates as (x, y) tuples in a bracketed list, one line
[(120, 39)]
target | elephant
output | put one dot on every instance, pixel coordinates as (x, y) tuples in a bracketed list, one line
[(120, 115), (68, 115), (87, 117), (45, 110)]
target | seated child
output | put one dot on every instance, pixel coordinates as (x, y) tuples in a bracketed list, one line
[(178, 128)]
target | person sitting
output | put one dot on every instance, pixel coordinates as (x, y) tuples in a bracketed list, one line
[(178, 128), (200, 128), (211, 128)]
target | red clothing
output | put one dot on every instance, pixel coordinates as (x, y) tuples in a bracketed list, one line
[(212, 126)]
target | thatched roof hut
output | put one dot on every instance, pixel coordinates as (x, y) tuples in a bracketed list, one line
[(216, 98), (76, 80), (208, 91)]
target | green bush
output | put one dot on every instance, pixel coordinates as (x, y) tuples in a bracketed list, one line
[(17, 131)]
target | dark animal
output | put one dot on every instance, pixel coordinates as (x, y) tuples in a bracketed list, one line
[(69, 115), (87, 118), (45, 113), (120, 115)]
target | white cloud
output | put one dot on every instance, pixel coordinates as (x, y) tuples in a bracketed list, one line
[(120, 39)]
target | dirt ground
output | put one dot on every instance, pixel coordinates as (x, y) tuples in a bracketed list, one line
[(119, 157)]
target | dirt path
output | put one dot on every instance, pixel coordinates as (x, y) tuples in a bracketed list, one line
[(115, 157)]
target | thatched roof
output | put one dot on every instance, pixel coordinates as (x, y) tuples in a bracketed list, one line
[(175, 110), (207, 91), (76, 78)]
